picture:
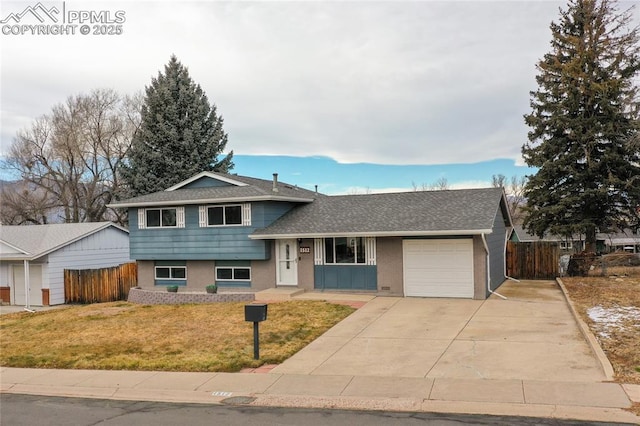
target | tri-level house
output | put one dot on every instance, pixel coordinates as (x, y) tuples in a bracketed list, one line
[(246, 233)]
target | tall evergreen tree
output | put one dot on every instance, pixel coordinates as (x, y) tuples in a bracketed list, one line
[(584, 124), (180, 134)]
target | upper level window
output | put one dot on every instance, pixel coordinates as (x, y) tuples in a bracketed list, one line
[(161, 218), (344, 250), (171, 217), (226, 215)]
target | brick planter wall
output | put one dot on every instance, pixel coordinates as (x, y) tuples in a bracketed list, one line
[(152, 297)]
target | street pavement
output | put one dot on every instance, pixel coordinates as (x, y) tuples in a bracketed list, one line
[(528, 355)]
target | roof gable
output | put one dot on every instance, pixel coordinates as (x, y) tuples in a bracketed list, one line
[(237, 189), (207, 180)]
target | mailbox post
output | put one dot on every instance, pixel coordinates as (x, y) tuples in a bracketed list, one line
[(255, 313)]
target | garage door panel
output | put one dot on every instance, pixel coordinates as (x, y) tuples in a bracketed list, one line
[(438, 268)]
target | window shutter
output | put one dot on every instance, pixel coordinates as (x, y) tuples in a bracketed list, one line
[(202, 214), (180, 217), (370, 243), (246, 214), (318, 251), (142, 223)]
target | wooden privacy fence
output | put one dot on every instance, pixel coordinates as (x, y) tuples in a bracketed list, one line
[(99, 285), (532, 261)]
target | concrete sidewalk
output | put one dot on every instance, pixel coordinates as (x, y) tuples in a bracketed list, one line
[(551, 399), (522, 356)]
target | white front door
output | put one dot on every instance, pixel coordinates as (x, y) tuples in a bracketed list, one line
[(287, 258)]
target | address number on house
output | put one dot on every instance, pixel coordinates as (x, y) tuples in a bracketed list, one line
[(305, 249)]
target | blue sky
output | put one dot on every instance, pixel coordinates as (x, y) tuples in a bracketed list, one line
[(359, 178)]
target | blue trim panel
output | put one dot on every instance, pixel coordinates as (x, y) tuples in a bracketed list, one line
[(170, 282), (244, 284), (345, 277)]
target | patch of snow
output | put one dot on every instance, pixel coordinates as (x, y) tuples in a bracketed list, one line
[(607, 319)]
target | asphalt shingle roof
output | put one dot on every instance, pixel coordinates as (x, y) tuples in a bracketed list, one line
[(255, 188), (38, 240), (408, 212)]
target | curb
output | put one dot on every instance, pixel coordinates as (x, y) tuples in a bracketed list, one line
[(607, 368)]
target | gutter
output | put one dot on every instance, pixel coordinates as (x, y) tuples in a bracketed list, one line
[(210, 201), (486, 248), (398, 233)]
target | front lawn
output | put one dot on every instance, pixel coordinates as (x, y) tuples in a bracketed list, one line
[(124, 336), (611, 307)]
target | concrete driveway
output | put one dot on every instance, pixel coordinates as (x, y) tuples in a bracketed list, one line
[(530, 336)]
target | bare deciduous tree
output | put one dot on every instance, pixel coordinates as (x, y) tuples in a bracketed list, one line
[(514, 189), (22, 204), (441, 184), (73, 155)]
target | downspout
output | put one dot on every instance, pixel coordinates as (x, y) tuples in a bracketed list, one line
[(486, 248), (506, 240)]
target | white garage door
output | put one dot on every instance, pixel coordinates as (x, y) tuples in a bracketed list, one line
[(35, 284), (438, 268)]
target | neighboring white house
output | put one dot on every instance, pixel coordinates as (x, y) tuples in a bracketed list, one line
[(35, 257)]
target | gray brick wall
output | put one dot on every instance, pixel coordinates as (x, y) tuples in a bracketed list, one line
[(151, 297)]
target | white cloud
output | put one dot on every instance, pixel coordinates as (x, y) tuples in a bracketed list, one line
[(379, 82)]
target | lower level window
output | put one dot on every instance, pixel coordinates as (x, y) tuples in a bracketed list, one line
[(231, 273), (171, 272)]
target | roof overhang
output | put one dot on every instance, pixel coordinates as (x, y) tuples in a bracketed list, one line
[(452, 233), (211, 201)]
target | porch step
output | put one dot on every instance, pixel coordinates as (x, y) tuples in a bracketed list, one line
[(279, 293)]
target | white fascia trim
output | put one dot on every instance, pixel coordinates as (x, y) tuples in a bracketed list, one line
[(211, 175), (211, 201), (454, 233)]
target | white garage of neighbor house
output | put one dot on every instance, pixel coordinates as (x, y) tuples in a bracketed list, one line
[(36, 256)]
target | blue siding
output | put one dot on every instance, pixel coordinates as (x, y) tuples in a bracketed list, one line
[(195, 243), (205, 182), (343, 277), (265, 213), (496, 244)]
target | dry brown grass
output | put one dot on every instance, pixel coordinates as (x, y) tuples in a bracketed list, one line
[(621, 343), (125, 336)]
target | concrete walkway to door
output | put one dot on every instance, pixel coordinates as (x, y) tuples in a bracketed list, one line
[(530, 336)]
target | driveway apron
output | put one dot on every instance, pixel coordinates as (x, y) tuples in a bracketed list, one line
[(529, 336)]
